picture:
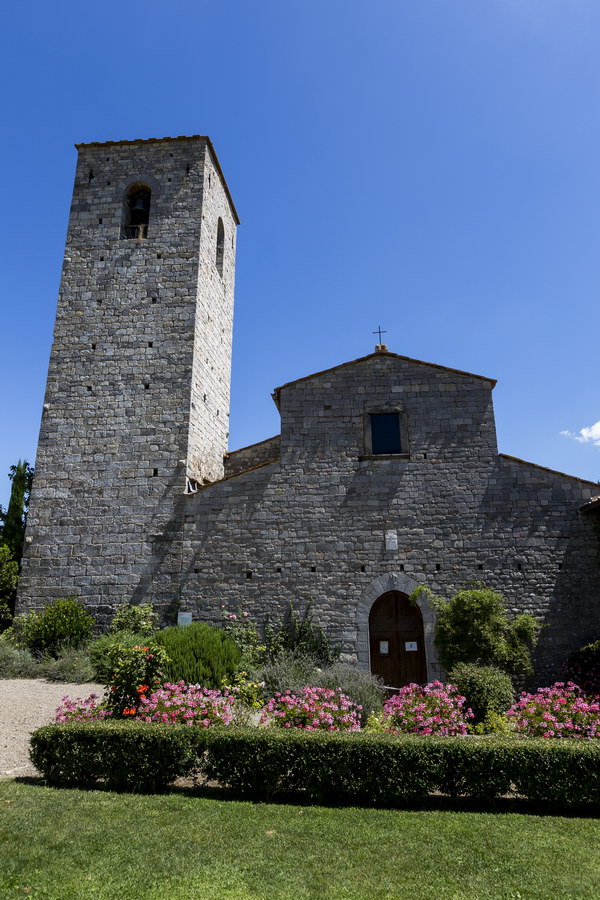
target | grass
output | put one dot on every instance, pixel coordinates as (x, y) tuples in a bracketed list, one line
[(60, 844)]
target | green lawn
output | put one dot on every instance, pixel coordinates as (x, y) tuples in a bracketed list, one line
[(97, 845)]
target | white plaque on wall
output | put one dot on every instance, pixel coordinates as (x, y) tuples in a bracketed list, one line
[(391, 540), (384, 648), (410, 646)]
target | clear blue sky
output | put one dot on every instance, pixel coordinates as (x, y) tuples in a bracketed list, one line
[(429, 166)]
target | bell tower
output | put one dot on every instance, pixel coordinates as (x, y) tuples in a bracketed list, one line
[(136, 409)]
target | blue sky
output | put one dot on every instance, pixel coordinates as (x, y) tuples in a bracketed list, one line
[(429, 166)]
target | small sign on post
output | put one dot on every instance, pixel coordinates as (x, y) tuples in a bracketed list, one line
[(184, 618)]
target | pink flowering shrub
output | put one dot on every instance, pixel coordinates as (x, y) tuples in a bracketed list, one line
[(435, 708), (186, 704), (560, 711), (79, 710), (315, 709)]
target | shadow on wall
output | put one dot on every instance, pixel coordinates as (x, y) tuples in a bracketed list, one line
[(540, 558), (160, 579), (218, 527)]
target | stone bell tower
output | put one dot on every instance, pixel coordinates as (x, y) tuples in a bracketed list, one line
[(136, 409)]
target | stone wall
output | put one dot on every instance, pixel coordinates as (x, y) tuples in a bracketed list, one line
[(138, 385), (313, 525), (137, 408), (255, 455)]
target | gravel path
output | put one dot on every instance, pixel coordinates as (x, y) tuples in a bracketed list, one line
[(26, 704)]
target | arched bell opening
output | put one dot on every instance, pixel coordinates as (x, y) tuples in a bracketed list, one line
[(397, 640), (136, 212)]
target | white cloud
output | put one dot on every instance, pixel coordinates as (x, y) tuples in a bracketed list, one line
[(588, 435)]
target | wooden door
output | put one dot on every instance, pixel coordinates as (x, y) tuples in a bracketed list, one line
[(396, 640)]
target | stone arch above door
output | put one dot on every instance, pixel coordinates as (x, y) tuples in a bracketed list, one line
[(396, 581)]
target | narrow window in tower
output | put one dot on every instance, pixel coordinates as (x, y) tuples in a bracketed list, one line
[(136, 212), (385, 433), (220, 247)]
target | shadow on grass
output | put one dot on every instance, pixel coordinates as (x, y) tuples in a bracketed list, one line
[(432, 803)]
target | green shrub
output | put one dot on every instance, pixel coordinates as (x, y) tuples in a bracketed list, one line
[(126, 755), (334, 767), (135, 671), (140, 620), (288, 671), (298, 634), (494, 723), (474, 627), (63, 623), (198, 654), (385, 769), (293, 634), (9, 579), (583, 668), (249, 696), (101, 649), (241, 628), (486, 688), (359, 685), (16, 662), (71, 666), (293, 671)]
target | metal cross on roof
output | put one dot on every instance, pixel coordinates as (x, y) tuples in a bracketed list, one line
[(380, 332)]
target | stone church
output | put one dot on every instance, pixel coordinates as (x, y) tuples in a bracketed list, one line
[(386, 474)]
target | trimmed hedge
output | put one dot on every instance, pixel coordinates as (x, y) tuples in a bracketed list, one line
[(199, 654), (126, 755), (348, 768)]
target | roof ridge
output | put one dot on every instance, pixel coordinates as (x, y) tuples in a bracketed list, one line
[(249, 446), (260, 465), (526, 462), (377, 354)]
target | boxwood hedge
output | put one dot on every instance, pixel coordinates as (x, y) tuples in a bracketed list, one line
[(342, 768), (124, 755)]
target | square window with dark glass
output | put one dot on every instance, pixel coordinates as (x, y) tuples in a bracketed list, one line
[(385, 433)]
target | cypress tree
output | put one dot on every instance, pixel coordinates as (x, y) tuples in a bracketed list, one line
[(15, 517)]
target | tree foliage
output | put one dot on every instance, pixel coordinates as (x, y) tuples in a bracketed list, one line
[(14, 518), (474, 627), (9, 579)]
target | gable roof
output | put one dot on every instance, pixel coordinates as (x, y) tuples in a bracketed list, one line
[(377, 354)]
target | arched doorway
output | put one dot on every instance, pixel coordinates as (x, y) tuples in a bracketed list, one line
[(396, 640)]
